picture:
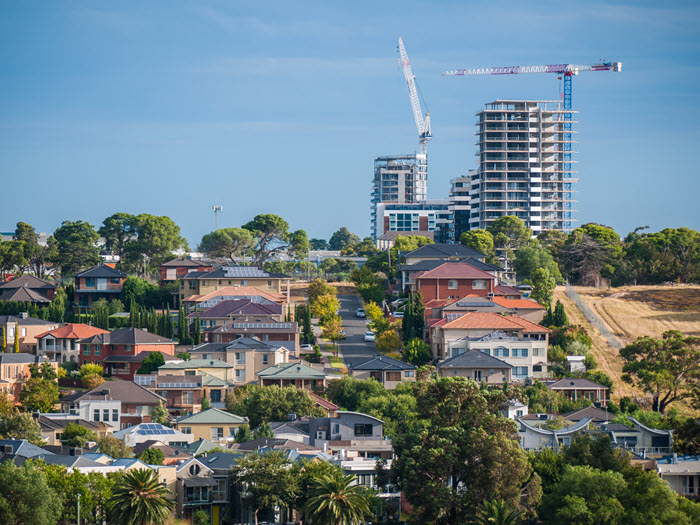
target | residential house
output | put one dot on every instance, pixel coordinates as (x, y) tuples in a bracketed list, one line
[(445, 334), (247, 355), (13, 449), (175, 269), (682, 473), (183, 393), (172, 455), (387, 370), (525, 308), (453, 281), (110, 349), (441, 252), (53, 425), (250, 307), (409, 271), (102, 281), (639, 438), (331, 409), (595, 414), (127, 366), (515, 409), (213, 424), (230, 293), (26, 328), (534, 437), (199, 447), (15, 371), (120, 403), (27, 289), (526, 355), (296, 430), (476, 365), (142, 432), (350, 432), (576, 388), (199, 367), (452, 309), (295, 374), (61, 344), (203, 283), (199, 488), (276, 333)]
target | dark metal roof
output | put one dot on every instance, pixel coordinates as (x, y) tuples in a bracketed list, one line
[(382, 362), (101, 270), (238, 307), (473, 359), (128, 336)]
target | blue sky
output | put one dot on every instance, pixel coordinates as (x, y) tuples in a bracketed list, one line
[(280, 107)]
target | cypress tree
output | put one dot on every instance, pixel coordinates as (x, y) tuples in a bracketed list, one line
[(16, 338), (197, 332), (4, 340), (418, 315)]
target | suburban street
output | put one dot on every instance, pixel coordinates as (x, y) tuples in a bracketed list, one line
[(353, 347)]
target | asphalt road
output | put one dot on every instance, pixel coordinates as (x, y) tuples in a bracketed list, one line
[(353, 347)]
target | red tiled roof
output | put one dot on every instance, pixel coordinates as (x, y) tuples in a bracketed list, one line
[(502, 289), (492, 321), (235, 291), (436, 322), (323, 402), (454, 271), (517, 303), (73, 331)]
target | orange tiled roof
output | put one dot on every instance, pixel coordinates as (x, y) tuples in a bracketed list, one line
[(454, 271), (492, 321), (237, 291), (517, 303), (73, 331), (436, 303)]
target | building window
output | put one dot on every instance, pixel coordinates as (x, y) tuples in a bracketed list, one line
[(105, 414), (520, 372), (187, 398), (520, 352), (239, 375), (115, 414), (114, 280), (479, 285), (409, 373), (127, 349), (89, 282), (501, 352), (452, 284), (336, 428), (97, 349), (363, 429), (537, 368), (96, 414), (186, 430), (217, 433), (244, 283), (24, 332), (266, 359), (86, 349)]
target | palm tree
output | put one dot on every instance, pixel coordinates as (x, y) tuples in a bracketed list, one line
[(335, 500), (497, 512), (138, 499)]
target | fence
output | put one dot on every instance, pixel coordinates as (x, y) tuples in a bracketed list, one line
[(593, 318)]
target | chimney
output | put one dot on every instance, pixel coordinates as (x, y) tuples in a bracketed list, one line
[(675, 458)]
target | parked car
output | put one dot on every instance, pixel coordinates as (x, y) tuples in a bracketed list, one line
[(306, 348), (360, 312), (369, 337), (342, 333), (397, 315)]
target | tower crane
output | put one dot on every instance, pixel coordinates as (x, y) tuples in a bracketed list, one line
[(422, 122)]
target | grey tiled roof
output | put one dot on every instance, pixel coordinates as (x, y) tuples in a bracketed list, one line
[(100, 270), (473, 359), (382, 362), (28, 281)]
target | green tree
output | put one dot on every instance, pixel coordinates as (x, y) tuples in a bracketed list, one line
[(36, 256), (479, 240), (119, 232), (336, 499), (325, 308), (156, 238), (446, 464), (319, 244), (15, 346), (4, 340), (160, 414), (227, 243), (12, 254), (342, 239), (40, 392), (497, 512), (75, 246), (590, 252), (138, 498), (243, 434), (272, 236), (269, 479), (201, 517), (75, 435), (509, 234), (553, 240), (530, 258), (17, 425), (543, 285), (318, 288), (270, 403), (151, 364), (417, 353), (263, 431), (388, 342), (206, 405), (114, 447), (665, 368), (25, 497), (350, 393), (152, 456)]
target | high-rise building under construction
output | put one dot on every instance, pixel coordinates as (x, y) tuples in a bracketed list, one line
[(525, 166)]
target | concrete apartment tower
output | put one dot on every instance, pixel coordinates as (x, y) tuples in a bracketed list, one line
[(398, 179), (524, 165)]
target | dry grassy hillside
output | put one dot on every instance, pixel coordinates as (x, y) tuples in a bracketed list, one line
[(631, 312), (298, 290)]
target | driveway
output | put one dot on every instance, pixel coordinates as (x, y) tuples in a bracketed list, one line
[(353, 347)]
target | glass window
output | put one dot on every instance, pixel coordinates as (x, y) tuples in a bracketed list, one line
[(217, 432), (96, 414), (97, 349), (105, 414), (501, 352), (520, 352), (452, 284), (479, 285), (266, 359), (89, 282), (409, 373), (187, 398), (186, 430), (363, 429), (114, 280), (336, 428), (86, 349), (115, 414), (520, 372)]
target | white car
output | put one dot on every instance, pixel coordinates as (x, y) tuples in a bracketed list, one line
[(306, 348), (369, 337)]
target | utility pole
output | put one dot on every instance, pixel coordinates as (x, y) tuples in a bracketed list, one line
[(78, 504)]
